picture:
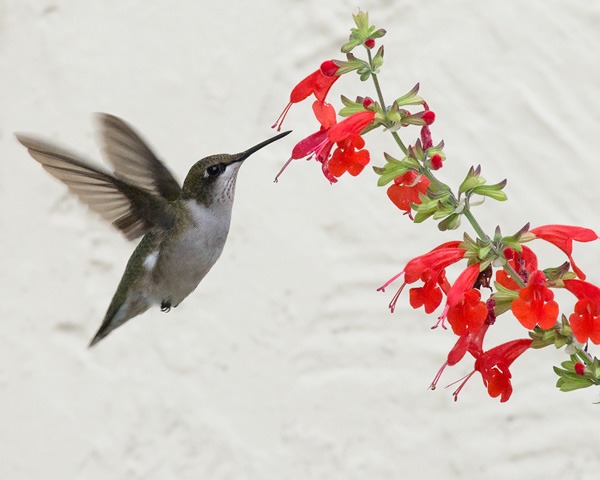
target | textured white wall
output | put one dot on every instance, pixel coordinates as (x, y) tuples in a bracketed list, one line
[(285, 363)]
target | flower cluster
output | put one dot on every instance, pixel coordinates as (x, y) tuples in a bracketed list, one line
[(500, 267)]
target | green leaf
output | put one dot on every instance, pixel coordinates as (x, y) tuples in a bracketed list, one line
[(470, 183), (492, 191), (451, 222)]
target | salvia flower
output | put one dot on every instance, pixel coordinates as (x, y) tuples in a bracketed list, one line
[(407, 190), (536, 305), (585, 320), (348, 156), (562, 236), (429, 267), (317, 83), (493, 365)]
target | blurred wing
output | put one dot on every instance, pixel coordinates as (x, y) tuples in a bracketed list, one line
[(132, 159), (130, 209)]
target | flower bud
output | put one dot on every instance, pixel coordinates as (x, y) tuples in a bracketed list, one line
[(428, 117), (367, 102), (436, 162), (369, 43), (329, 68)]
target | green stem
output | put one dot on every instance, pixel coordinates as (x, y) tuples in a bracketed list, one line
[(486, 239), (382, 103), (425, 171)]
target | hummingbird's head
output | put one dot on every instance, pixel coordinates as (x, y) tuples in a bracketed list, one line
[(212, 179)]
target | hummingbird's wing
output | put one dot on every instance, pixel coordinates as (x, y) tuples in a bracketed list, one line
[(132, 159), (129, 208)]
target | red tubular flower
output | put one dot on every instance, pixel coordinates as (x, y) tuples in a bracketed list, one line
[(536, 304), (318, 83), (469, 314), (456, 296), (347, 156), (494, 364), (562, 236), (585, 320), (429, 267), (430, 294), (524, 263), (407, 189)]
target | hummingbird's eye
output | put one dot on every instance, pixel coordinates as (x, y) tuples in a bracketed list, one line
[(215, 170)]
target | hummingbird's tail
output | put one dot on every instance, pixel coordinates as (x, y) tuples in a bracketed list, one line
[(118, 315)]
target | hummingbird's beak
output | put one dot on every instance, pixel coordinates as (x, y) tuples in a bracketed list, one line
[(244, 155)]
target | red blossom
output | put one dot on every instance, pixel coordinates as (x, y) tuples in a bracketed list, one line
[(562, 236), (406, 190), (494, 364), (317, 83), (456, 294), (429, 267), (469, 314), (523, 262), (369, 42), (536, 305), (430, 294), (585, 320), (347, 156)]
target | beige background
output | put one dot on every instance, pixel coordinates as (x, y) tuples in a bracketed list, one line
[(285, 363)]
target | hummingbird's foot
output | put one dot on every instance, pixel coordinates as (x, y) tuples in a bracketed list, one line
[(165, 306)]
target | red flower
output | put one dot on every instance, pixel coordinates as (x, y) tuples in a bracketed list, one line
[(430, 294), (407, 189), (524, 263), (585, 320), (456, 296), (562, 236), (346, 134), (317, 83), (494, 364), (430, 268), (536, 304), (469, 314)]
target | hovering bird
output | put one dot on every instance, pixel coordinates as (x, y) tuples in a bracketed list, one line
[(184, 228)]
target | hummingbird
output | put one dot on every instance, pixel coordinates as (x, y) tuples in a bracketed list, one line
[(183, 228)]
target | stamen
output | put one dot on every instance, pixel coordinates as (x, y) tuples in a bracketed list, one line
[(437, 376), (465, 379), (391, 280), (442, 319), (282, 169), (279, 122)]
